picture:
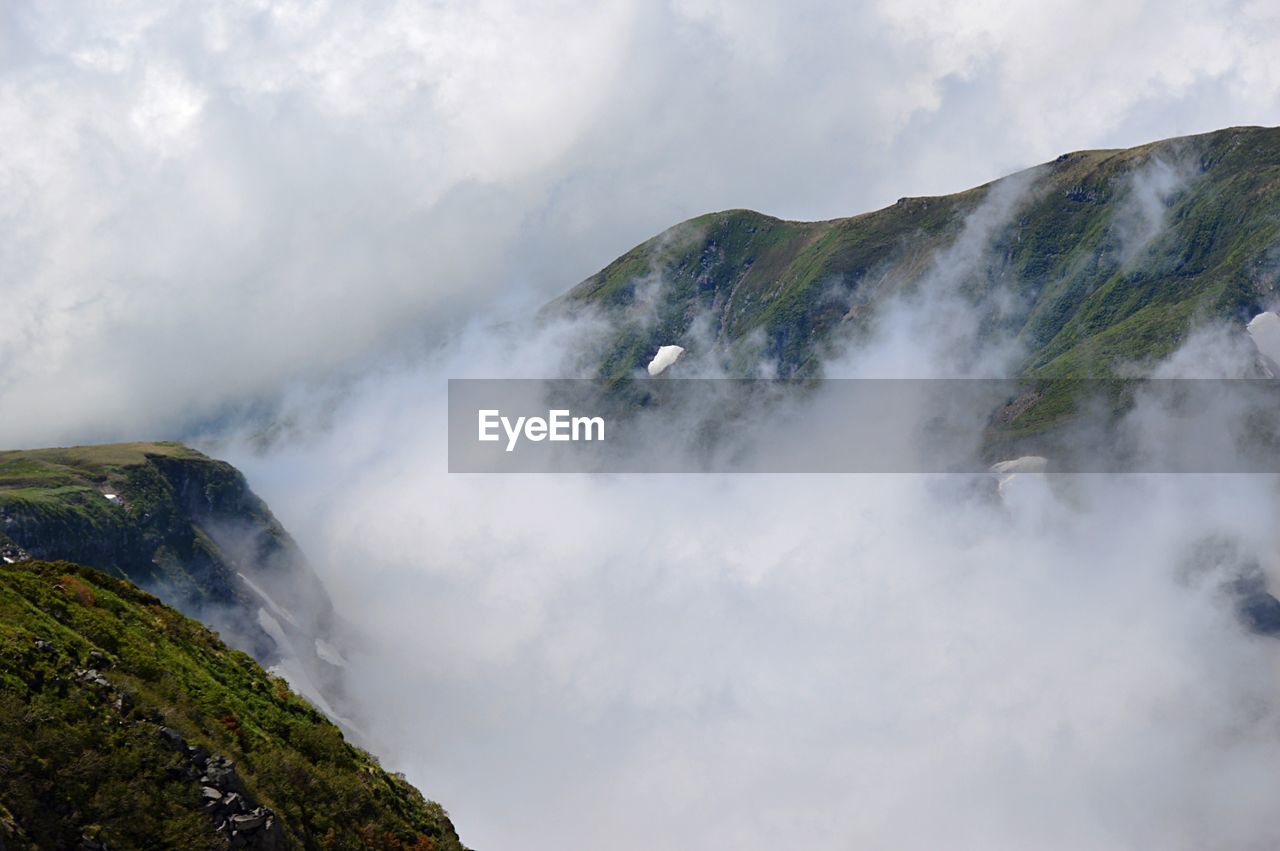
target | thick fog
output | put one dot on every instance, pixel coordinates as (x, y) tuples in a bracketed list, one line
[(827, 661), (755, 662), (310, 217)]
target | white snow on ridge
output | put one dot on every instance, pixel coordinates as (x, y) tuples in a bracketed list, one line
[(291, 670), (666, 356), (1264, 330), (272, 627), (280, 611), (1008, 471), (1025, 464), (329, 653)]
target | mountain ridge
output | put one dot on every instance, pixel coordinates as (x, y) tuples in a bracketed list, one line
[(1109, 257)]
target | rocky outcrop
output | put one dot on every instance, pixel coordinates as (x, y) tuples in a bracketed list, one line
[(11, 553), (233, 811)]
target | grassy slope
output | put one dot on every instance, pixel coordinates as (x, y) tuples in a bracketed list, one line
[(53, 475), (69, 483), (1082, 307), (72, 761)]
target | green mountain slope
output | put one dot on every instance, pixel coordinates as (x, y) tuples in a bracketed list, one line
[(181, 525), (1099, 258), (153, 513), (124, 724)]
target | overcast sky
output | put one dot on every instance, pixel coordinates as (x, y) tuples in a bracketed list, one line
[(207, 206), (201, 202)]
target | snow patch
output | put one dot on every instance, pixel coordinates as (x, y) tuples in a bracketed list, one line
[(1264, 330), (1008, 471), (7, 560), (289, 668), (111, 496), (666, 356), (329, 653), (1025, 464), (279, 611)]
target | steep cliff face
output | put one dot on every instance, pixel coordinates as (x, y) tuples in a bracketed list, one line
[(185, 527), (125, 725)]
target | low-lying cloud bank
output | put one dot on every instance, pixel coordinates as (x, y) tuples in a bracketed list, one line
[(820, 661), (207, 207)]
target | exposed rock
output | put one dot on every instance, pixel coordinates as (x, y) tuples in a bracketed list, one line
[(250, 821), (10, 552), (89, 842), (1081, 193), (218, 771), (1241, 576), (235, 816), (172, 738), (91, 676)]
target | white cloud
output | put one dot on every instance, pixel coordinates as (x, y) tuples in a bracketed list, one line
[(764, 661), (202, 206), (204, 202)]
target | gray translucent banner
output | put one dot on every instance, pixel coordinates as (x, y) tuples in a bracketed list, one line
[(863, 425)]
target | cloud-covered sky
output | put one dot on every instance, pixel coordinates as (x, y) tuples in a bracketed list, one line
[(201, 202), (206, 207)]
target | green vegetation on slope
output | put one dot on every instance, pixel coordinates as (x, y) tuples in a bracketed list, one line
[(127, 723), (167, 518), (1108, 258), (132, 510), (55, 504)]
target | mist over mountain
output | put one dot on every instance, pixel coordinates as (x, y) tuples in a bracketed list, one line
[(247, 600), (811, 659), (1093, 263), (742, 648), (188, 529)]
